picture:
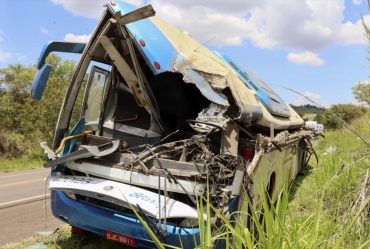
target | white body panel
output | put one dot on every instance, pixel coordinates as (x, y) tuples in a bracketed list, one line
[(147, 200)]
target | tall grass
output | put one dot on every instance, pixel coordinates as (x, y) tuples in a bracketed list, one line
[(317, 211)]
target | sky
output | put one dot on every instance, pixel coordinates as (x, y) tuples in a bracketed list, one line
[(315, 47)]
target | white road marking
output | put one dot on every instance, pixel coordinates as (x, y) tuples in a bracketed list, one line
[(21, 182), (23, 174), (25, 200)]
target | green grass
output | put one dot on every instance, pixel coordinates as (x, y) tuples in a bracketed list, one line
[(22, 163), (341, 175)]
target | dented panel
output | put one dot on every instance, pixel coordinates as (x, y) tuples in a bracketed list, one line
[(216, 72), (183, 66)]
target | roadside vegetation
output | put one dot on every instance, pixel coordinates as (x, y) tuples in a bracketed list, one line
[(21, 163), (24, 122), (325, 207)]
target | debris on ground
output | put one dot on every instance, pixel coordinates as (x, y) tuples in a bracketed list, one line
[(331, 149), (37, 246), (48, 233)]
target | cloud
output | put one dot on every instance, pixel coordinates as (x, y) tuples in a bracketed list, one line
[(20, 56), (295, 25), (305, 58), (325, 104), (90, 9), (309, 25), (355, 102), (357, 2), (44, 30), (76, 38), (1, 39), (1, 32), (312, 95), (349, 34), (4, 56), (299, 101)]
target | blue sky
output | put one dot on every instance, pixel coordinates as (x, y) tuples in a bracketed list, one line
[(316, 47)]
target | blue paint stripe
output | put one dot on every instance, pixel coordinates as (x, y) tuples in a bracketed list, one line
[(279, 109)]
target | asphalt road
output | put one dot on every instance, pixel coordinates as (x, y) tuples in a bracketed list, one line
[(22, 185), (22, 205)]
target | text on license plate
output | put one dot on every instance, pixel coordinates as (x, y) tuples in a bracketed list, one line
[(120, 238)]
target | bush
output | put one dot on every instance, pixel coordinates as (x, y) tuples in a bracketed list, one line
[(12, 145), (346, 112), (26, 122)]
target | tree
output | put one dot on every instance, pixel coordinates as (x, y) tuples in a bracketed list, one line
[(346, 112), (24, 122), (361, 92)]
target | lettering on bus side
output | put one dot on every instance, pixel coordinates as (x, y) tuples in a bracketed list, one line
[(76, 180), (144, 197)]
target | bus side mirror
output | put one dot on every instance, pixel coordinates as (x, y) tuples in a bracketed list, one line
[(39, 82)]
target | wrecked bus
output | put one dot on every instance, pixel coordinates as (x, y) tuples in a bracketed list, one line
[(160, 116)]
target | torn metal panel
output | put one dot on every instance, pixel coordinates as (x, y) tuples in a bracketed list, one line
[(282, 139), (219, 82), (85, 152), (210, 73), (207, 82), (183, 66), (245, 99), (214, 114)]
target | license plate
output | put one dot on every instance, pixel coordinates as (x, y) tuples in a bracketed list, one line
[(120, 238)]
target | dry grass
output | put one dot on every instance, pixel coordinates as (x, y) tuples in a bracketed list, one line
[(64, 240)]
